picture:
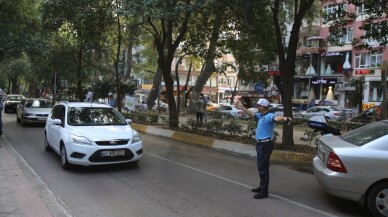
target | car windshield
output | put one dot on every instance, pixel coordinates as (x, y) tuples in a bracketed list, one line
[(15, 98), (87, 116), (365, 134), (38, 104)]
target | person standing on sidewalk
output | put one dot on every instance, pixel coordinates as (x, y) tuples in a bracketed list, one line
[(200, 108), (205, 101), (264, 141)]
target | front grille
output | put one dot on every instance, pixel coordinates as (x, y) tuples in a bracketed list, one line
[(112, 142), (41, 115), (96, 156)]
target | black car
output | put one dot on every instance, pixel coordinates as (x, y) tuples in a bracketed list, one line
[(12, 102)]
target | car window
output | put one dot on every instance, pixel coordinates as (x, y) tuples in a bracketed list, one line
[(325, 110), (56, 110), (365, 134), (86, 116)]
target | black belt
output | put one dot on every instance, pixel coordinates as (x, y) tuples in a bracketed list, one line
[(263, 140)]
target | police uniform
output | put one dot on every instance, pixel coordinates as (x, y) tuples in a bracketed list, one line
[(264, 146)]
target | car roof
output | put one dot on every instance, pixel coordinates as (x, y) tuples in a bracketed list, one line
[(84, 104)]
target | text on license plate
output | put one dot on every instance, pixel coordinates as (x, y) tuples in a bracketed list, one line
[(112, 153)]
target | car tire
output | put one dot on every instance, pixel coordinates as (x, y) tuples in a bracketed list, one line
[(64, 162), (17, 119), (23, 122), (375, 200), (47, 146)]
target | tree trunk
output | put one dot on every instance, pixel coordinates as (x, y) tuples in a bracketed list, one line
[(209, 62), (128, 61), (155, 91)]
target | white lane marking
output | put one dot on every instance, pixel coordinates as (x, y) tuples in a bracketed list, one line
[(244, 185)]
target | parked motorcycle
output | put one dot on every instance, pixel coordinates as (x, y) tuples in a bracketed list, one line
[(320, 124)]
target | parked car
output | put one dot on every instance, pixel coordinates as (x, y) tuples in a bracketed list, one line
[(278, 110), (162, 106), (353, 166), (91, 134), (12, 102), (33, 111), (373, 113), (329, 112), (211, 106), (228, 112)]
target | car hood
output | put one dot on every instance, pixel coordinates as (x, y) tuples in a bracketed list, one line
[(38, 110), (102, 133)]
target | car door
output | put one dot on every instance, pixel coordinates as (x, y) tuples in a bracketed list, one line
[(54, 131)]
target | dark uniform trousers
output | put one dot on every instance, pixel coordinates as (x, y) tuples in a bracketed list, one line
[(264, 151)]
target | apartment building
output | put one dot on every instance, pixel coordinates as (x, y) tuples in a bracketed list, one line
[(323, 71)]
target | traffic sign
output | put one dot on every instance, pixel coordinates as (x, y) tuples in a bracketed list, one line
[(258, 87)]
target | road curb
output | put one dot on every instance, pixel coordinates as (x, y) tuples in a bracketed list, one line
[(234, 148)]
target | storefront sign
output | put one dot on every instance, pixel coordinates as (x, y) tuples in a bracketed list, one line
[(333, 54), (365, 72), (365, 106), (323, 81)]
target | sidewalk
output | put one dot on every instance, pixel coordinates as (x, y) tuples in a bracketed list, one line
[(22, 192)]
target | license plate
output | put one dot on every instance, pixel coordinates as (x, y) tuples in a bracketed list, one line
[(112, 153)]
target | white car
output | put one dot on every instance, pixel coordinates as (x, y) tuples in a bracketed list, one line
[(91, 134), (227, 111), (329, 112)]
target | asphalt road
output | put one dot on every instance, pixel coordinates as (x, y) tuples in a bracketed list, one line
[(175, 179)]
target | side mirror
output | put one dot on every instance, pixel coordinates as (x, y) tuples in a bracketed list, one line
[(129, 121), (56, 122)]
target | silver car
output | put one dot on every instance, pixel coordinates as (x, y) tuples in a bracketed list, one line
[(33, 111), (329, 112), (354, 166)]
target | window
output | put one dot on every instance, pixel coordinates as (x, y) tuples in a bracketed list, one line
[(361, 9), (329, 9), (230, 81), (347, 36), (376, 60), (366, 60), (361, 61)]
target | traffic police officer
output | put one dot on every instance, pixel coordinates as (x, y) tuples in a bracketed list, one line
[(264, 141)]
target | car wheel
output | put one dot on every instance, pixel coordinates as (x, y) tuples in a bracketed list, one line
[(17, 119), (378, 200), (47, 146), (23, 122), (64, 162)]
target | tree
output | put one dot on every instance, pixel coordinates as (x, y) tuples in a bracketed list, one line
[(287, 54), (375, 24), (84, 23), (168, 22)]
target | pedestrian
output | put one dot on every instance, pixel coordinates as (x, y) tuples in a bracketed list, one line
[(1, 111), (264, 141), (89, 95), (199, 108), (111, 100), (144, 106), (205, 102)]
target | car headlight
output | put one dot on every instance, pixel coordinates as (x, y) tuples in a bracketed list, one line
[(135, 136), (80, 140)]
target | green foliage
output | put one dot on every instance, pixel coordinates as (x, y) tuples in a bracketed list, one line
[(311, 136), (233, 128), (375, 24)]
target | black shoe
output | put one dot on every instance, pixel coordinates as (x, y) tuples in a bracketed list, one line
[(256, 190), (262, 194)]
